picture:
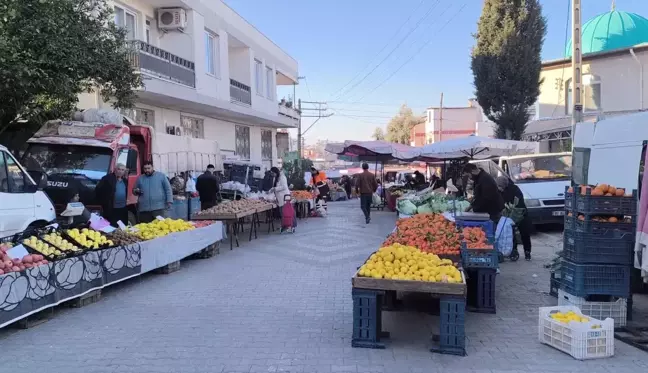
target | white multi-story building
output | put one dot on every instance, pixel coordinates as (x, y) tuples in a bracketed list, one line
[(207, 73)]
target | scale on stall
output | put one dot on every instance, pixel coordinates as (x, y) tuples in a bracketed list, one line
[(76, 212)]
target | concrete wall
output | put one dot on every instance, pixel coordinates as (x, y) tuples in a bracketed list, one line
[(621, 84)]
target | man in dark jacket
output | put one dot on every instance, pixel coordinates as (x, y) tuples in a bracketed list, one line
[(208, 188), (366, 186), (509, 192), (112, 194), (486, 197)]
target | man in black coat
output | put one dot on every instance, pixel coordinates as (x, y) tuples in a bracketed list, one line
[(509, 192), (208, 188), (486, 197), (112, 194)]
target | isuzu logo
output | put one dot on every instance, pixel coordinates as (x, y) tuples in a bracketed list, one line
[(57, 184)]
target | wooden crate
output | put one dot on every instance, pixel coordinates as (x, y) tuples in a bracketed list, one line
[(438, 288)]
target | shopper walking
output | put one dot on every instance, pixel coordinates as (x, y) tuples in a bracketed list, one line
[(509, 192), (208, 188), (154, 191), (112, 194), (366, 186), (486, 196)]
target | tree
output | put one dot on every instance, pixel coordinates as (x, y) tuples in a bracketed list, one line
[(378, 134), (506, 62), (53, 50), (400, 126)]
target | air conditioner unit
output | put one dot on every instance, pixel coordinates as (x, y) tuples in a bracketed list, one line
[(172, 18)]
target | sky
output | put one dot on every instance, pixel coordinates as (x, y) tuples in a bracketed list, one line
[(365, 58)]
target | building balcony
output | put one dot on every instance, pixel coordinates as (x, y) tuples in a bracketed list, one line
[(159, 63), (289, 111), (240, 93)]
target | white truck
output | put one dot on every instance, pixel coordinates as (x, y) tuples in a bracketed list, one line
[(23, 203)]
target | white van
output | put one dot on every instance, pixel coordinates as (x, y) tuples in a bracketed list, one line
[(542, 178), (22, 202)]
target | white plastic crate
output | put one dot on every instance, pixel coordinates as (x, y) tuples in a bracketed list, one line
[(616, 310), (578, 339)]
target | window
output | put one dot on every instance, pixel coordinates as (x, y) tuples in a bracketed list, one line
[(90, 164), (4, 179), (144, 117), (12, 178), (269, 82), (192, 127), (242, 140), (591, 94), (258, 70), (580, 165), (266, 144), (212, 55), (148, 32), (127, 20)]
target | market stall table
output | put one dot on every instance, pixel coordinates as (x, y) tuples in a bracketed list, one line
[(40, 288), (233, 221), (369, 294)]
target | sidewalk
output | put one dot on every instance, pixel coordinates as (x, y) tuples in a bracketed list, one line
[(282, 303)]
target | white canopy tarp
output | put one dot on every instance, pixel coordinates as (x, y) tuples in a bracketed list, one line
[(370, 150), (477, 147)]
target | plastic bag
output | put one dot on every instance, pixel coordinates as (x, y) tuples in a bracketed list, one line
[(504, 236), (376, 200), (406, 207)]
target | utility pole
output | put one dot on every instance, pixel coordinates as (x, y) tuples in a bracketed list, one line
[(319, 111), (576, 61), (441, 119)]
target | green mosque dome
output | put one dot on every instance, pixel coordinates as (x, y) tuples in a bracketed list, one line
[(612, 30)]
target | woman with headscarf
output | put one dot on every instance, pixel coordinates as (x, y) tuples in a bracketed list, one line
[(280, 189), (509, 193)]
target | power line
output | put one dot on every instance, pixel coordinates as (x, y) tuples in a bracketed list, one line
[(429, 12), (412, 58), (308, 88), (382, 50)]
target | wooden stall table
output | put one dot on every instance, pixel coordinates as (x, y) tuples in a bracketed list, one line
[(269, 215), (370, 293), (233, 222)]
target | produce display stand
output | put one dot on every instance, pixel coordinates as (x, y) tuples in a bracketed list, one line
[(31, 294), (369, 295), (233, 222), (269, 210), (302, 208)]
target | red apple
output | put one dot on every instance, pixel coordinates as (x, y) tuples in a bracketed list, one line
[(2, 272), (27, 259), (8, 263), (2, 265), (15, 269), (44, 261)]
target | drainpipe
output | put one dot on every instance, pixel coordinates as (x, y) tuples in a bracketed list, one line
[(641, 78)]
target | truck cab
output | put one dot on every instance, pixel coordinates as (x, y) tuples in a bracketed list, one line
[(74, 156), (22, 201)]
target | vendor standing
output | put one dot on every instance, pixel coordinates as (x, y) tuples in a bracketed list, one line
[(112, 194), (486, 197), (154, 191), (208, 188), (510, 191), (319, 182)]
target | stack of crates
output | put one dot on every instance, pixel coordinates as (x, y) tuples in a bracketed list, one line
[(480, 267), (598, 245)]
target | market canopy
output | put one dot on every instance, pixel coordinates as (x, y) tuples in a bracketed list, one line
[(374, 150), (476, 147)]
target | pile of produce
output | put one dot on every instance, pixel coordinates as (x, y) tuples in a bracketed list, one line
[(301, 195), (429, 203), (89, 238), (55, 239), (600, 190), (161, 228), (605, 218), (8, 265), (202, 223), (431, 233), (408, 263), (122, 238), (571, 316), (475, 238), (233, 207), (35, 244)]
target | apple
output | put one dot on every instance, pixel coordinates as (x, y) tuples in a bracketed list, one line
[(27, 259), (15, 269), (2, 272)]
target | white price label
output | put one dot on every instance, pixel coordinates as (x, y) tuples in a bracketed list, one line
[(17, 252), (159, 218)]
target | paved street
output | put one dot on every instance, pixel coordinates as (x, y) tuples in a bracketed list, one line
[(283, 304)]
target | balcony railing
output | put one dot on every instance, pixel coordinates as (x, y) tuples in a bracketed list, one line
[(158, 62), (289, 111), (240, 92)]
